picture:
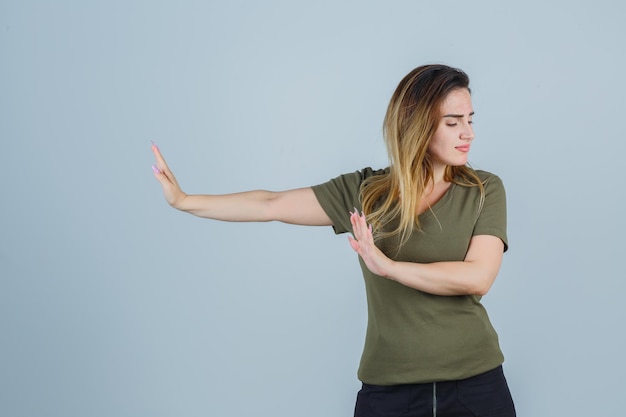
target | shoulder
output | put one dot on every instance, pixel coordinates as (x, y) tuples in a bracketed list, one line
[(340, 195), (489, 180), (356, 178), (369, 172), (349, 183), (486, 176), (490, 186)]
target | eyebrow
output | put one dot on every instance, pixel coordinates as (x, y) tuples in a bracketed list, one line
[(457, 115)]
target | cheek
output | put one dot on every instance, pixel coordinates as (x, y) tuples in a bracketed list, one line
[(436, 143)]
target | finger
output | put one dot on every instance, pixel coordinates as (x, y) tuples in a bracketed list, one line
[(360, 225), (368, 229), (354, 244), (356, 229), (353, 221), (161, 177), (161, 164)]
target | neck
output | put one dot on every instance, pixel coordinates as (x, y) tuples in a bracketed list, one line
[(438, 174)]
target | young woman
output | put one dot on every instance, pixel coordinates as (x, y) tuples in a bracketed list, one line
[(430, 232)]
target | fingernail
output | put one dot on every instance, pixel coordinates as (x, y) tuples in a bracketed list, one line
[(155, 169), (154, 144)]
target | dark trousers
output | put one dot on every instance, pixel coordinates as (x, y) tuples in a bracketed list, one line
[(484, 395)]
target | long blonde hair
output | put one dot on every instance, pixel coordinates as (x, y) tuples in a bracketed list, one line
[(411, 120)]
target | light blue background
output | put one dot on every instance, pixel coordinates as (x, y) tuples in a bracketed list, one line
[(113, 304)]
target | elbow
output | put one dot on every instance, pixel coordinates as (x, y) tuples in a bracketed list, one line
[(266, 208), (480, 279), (481, 291), (481, 287)]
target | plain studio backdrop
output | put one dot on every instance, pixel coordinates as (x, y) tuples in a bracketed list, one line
[(114, 304)]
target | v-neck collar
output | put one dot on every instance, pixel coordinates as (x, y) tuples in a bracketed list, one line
[(444, 198)]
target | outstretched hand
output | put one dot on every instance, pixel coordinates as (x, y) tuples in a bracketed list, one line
[(363, 244), (171, 190)]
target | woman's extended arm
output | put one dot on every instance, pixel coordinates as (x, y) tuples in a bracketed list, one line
[(474, 275), (299, 206)]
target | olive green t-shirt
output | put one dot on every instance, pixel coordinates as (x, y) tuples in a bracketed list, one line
[(413, 336)]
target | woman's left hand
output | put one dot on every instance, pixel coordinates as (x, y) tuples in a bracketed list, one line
[(363, 244)]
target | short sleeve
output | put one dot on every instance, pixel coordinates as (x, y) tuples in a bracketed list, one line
[(492, 218), (338, 197), (341, 195)]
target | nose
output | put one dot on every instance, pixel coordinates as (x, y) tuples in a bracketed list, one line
[(468, 132)]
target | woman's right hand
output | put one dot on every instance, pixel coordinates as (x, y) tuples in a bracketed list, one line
[(297, 206), (171, 190)]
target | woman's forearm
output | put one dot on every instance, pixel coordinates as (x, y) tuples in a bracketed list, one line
[(297, 206), (443, 278), (240, 207), (250, 206), (474, 275)]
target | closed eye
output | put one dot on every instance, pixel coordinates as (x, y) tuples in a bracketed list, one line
[(471, 122)]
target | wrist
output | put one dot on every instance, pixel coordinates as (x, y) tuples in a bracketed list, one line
[(179, 202), (388, 267)]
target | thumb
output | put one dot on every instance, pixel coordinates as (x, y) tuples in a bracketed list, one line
[(354, 244)]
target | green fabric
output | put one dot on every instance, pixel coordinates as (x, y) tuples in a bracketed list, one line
[(413, 336)]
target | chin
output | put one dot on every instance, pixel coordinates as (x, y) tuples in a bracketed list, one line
[(458, 163)]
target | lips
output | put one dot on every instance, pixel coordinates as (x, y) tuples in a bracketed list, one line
[(463, 148)]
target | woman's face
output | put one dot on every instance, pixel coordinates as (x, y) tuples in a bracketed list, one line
[(451, 143)]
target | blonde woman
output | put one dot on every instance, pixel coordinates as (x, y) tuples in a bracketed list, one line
[(430, 233)]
